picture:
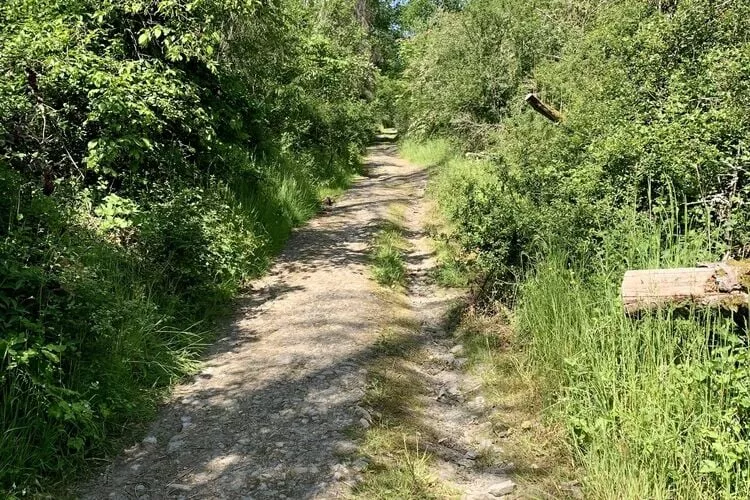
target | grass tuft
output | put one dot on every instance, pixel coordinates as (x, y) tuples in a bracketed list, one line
[(388, 249), (408, 476)]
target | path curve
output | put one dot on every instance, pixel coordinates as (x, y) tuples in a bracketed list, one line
[(267, 415)]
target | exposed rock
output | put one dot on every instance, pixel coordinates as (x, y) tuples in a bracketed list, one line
[(340, 472), (450, 393), (503, 488), (150, 440), (187, 422), (179, 487), (448, 359), (457, 350), (360, 465), (526, 425), (363, 413), (345, 448), (174, 445), (477, 404), (487, 446)]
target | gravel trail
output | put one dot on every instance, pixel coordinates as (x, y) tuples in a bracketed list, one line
[(267, 415)]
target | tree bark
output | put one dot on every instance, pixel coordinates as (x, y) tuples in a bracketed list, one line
[(723, 285), (547, 111)]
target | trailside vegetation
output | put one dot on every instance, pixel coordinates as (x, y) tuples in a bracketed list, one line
[(153, 155), (648, 168)]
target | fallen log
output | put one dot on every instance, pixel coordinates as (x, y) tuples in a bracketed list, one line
[(724, 285), (545, 110)]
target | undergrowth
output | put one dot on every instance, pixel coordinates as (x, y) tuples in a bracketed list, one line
[(651, 407)]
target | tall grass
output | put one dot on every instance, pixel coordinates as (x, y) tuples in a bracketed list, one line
[(652, 405), (655, 407), (432, 152)]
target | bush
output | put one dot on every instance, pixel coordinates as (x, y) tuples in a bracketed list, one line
[(648, 169), (153, 156)]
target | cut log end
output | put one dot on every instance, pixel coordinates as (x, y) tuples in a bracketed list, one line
[(722, 285)]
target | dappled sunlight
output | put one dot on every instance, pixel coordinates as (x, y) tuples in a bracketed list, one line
[(277, 394)]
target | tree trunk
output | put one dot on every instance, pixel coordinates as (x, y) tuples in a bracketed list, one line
[(547, 111), (723, 285)]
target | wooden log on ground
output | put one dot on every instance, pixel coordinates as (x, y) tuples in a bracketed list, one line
[(547, 111), (724, 285)]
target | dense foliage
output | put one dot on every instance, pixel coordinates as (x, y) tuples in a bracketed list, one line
[(153, 154), (653, 99), (649, 168)]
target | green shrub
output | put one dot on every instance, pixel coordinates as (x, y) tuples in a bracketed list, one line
[(153, 157), (647, 169)]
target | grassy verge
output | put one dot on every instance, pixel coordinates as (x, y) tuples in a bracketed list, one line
[(648, 408)]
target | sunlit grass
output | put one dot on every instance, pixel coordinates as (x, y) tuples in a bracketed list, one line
[(647, 408), (389, 248)]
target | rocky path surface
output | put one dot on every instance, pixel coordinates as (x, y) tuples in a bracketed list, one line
[(267, 415), (454, 413)]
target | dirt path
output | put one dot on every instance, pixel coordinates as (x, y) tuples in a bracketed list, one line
[(267, 415), (454, 414)]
